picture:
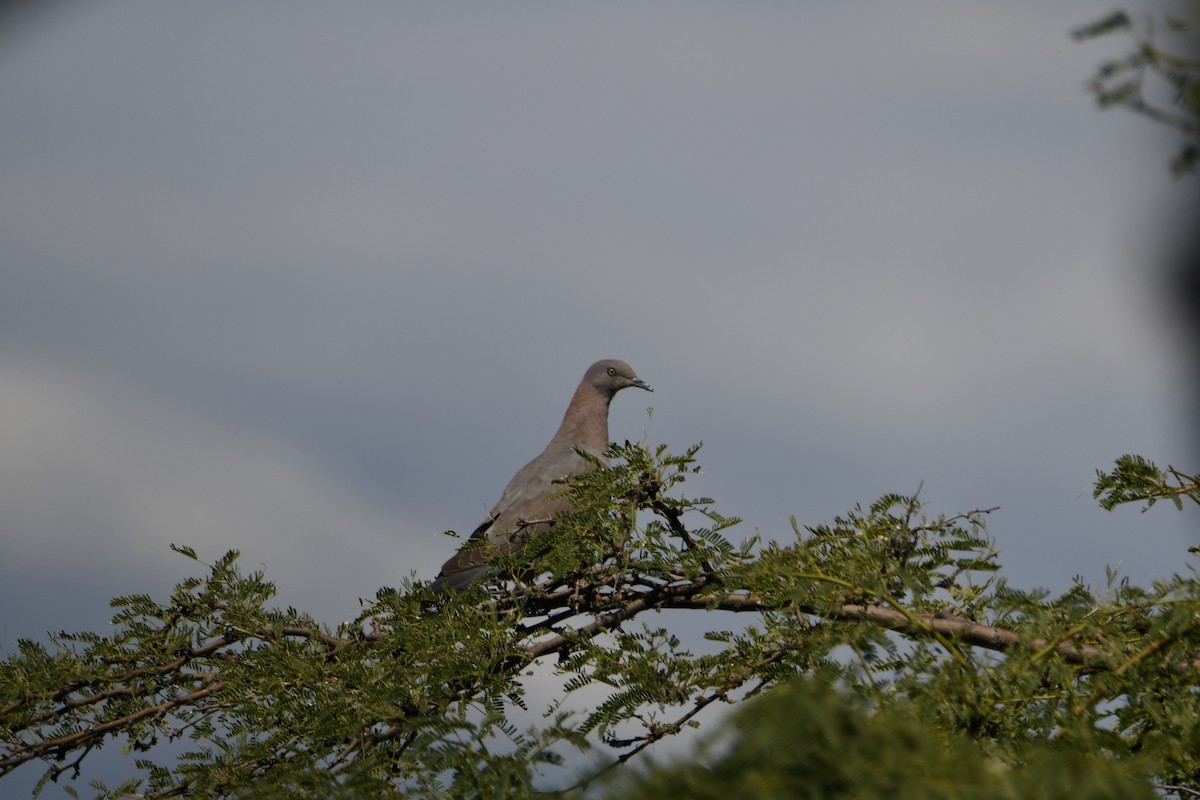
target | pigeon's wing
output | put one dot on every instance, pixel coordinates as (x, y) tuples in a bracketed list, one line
[(523, 505)]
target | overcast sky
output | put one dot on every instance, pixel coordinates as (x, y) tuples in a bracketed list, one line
[(312, 280)]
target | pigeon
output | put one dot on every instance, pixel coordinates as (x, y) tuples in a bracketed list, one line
[(524, 505)]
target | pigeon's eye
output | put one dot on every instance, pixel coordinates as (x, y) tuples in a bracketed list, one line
[(612, 371)]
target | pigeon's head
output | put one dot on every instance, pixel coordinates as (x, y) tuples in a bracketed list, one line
[(611, 376)]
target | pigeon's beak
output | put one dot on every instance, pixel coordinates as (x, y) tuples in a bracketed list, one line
[(641, 384)]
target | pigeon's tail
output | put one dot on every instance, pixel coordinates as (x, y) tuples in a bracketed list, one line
[(456, 581)]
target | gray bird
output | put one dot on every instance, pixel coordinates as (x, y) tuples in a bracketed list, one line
[(524, 504)]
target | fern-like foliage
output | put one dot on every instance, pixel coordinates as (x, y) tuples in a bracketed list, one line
[(897, 610), (1138, 480), (1159, 78)]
